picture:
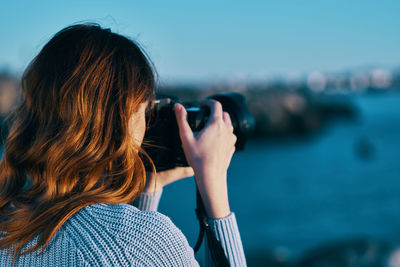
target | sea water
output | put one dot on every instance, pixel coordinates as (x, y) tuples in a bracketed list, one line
[(294, 194)]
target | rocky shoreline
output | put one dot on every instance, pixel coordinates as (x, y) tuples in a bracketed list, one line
[(281, 113)]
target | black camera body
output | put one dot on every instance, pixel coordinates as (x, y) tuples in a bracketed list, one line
[(162, 141)]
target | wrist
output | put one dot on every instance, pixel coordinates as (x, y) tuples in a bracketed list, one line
[(216, 209), (214, 194), (213, 173)]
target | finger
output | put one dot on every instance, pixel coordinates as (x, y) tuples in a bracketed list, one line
[(185, 131), (216, 112), (227, 120), (234, 139)]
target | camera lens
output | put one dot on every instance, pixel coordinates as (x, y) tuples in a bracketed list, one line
[(162, 142)]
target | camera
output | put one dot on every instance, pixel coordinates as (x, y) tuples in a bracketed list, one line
[(162, 141)]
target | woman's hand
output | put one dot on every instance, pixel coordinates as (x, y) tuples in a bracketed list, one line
[(210, 153), (156, 181)]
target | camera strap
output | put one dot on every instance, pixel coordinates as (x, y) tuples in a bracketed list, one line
[(217, 252)]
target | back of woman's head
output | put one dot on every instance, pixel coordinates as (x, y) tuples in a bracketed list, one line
[(69, 143)]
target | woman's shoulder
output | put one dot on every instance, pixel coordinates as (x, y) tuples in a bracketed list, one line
[(140, 234), (126, 215)]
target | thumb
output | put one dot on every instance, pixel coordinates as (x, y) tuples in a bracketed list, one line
[(185, 131)]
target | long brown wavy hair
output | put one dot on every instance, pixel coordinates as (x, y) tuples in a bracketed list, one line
[(69, 143)]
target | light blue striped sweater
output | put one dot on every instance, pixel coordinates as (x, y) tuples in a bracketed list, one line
[(123, 235)]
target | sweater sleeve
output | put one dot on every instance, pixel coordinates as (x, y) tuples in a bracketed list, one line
[(148, 201), (225, 229), (227, 233)]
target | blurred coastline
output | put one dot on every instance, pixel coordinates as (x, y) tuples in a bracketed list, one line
[(301, 106)]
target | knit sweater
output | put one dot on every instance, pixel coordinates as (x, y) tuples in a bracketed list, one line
[(125, 235)]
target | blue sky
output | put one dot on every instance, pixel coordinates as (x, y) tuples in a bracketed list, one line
[(211, 40)]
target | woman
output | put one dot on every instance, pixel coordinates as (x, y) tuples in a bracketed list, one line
[(72, 162)]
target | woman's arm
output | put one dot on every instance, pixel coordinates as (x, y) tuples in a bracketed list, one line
[(209, 153)]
